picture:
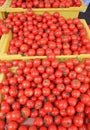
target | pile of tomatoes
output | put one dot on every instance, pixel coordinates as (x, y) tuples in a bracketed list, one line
[(2, 2), (56, 95), (45, 3), (45, 34)]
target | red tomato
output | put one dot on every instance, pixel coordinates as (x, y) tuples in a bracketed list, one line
[(12, 125), (38, 121), (5, 107), (66, 122), (25, 112), (78, 121), (48, 120)]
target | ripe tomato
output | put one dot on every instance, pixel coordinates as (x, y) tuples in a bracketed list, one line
[(38, 121), (70, 110), (78, 121), (25, 112), (16, 115), (5, 107), (48, 107), (75, 84), (66, 122), (12, 125), (57, 120), (62, 104), (48, 120), (16, 106)]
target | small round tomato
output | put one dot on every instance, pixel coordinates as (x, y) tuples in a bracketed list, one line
[(48, 120), (48, 107), (62, 104), (78, 121), (66, 122), (16, 106), (16, 115), (75, 84), (57, 119), (25, 111), (5, 107), (12, 125), (70, 110), (38, 121)]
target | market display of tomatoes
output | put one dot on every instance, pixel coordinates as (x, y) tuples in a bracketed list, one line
[(2, 2), (56, 95), (39, 35), (45, 3)]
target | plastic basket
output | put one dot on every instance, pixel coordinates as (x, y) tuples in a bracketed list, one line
[(72, 11), (1, 42), (3, 36), (61, 59), (3, 9), (1, 16), (8, 37)]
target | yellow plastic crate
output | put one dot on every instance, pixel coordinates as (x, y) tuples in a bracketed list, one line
[(3, 36), (61, 59), (1, 16), (72, 11), (8, 37), (1, 42), (3, 9)]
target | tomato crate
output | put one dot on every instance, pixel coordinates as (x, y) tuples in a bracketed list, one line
[(1, 17), (72, 11), (24, 83), (8, 37), (81, 58)]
